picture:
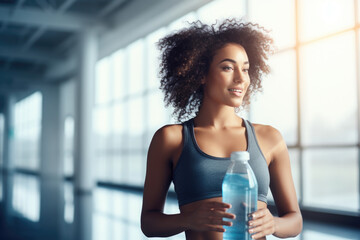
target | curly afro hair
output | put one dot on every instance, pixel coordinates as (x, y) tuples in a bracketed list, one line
[(187, 55)]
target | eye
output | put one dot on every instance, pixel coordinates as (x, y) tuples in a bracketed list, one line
[(246, 70), (227, 68)]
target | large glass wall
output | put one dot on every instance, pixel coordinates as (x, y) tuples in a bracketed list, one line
[(68, 169), (311, 96), (27, 125), (2, 137)]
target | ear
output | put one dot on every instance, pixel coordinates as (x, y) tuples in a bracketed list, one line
[(203, 81)]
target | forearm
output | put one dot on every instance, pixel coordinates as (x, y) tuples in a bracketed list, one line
[(288, 225), (157, 224)]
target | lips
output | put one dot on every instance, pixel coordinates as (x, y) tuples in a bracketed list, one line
[(236, 91)]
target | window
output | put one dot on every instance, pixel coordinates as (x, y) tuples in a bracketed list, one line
[(282, 26), (69, 146), (26, 196), (311, 96), (329, 103), (27, 125), (319, 18), (276, 105), (2, 137), (331, 178)]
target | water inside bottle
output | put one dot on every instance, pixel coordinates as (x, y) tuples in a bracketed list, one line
[(243, 198)]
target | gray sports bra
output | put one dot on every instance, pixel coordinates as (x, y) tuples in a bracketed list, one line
[(199, 176)]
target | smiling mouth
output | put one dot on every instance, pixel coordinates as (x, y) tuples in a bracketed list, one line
[(235, 90)]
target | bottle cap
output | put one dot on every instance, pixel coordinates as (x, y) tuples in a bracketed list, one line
[(241, 155)]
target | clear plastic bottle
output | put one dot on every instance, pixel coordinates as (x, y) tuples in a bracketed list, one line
[(239, 189)]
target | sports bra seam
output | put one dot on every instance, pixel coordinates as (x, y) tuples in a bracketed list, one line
[(256, 142), (186, 140), (198, 149)]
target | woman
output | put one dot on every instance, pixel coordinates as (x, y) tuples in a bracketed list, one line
[(208, 73)]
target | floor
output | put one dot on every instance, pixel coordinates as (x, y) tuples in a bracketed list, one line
[(34, 209)]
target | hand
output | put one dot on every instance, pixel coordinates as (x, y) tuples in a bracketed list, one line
[(262, 223), (209, 216)]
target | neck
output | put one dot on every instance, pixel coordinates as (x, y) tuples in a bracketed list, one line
[(222, 117)]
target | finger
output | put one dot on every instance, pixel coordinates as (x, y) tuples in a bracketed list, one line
[(254, 223), (259, 213), (217, 221), (261, 234), (221, 214), (263, 230), (260, 221)]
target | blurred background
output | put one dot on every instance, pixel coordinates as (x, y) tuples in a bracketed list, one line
[(80, 101)]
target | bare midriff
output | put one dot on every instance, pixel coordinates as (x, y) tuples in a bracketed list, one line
[(196, 235)]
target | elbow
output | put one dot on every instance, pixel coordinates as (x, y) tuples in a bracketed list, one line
[(147, 232), (146, 228), (298, 226)]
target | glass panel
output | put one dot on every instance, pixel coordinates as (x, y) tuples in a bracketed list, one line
[(27, 125), (282, 26), (358, 12), (2, 135), (102, 120), (136, 168), (135, 60), (118, 127), (153, 58), (26, 196), (329, 100), (68, 202), (331, 178), (118, 168), (277, 104), (136, 124), (102, 127), (102, 81), (2, 188), (330, 233), (221, 9), (69, 146), (103, 167), (322, 17), (118, 70), (157, 112)]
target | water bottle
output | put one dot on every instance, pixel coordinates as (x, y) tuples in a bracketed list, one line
[(239, 188)]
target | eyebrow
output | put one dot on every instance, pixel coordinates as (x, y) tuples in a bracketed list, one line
[(231, 60)]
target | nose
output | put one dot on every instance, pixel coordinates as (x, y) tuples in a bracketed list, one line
[(238, 76)]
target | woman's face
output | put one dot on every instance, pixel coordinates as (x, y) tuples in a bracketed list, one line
[(228, 78)]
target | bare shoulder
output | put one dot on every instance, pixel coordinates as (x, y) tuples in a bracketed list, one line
[(270, 140), (267, 133), (167, 140), (169, 134)]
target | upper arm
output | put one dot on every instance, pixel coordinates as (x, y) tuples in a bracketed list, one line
[(159, 167), (281, 181)]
